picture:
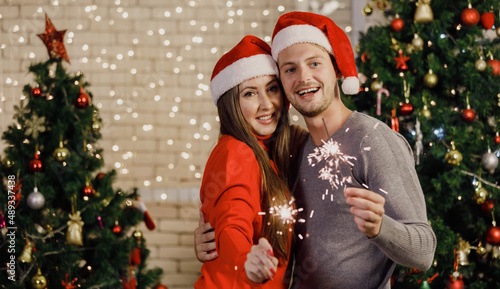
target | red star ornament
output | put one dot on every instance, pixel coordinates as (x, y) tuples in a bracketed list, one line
[(53, 40), (401, 61)]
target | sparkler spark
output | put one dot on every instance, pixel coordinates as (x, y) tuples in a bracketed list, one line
[(330, 154), (286, 212)]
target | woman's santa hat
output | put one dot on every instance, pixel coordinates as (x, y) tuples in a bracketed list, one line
[(248, 59), (305, 27)]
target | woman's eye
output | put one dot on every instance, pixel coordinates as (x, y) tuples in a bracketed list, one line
[(273, 88)]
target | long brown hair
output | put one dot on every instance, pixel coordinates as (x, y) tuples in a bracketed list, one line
[(274, 189)]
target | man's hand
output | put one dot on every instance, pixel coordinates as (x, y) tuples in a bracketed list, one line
[(367, 208), (261, 264), (204, 241)]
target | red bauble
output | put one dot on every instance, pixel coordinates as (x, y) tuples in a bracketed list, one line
[(88, 191), (493, 236), (487, 206), (83, 100), (36, 92), (455, 284), (135, 258), (160, 286), (470, 16), (487, 20), (35, 165), (468, 115), (365, 57), (117, 229), (495, 64), (497, 139), (100, 176), (406, 109), (397, 24)]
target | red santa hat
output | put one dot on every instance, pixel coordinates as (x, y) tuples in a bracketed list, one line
[(306, 27), (248, 59)]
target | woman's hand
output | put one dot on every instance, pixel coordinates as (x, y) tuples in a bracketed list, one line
[(261, 264)]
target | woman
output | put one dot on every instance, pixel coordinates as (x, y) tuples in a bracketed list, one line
[(247, 172)]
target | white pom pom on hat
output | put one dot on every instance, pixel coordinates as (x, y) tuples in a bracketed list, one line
[(306, 27), (250, 58)]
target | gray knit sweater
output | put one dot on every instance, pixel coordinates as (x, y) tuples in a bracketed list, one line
[(330, 250)]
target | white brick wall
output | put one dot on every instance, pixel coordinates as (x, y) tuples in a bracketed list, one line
[(97, 33)]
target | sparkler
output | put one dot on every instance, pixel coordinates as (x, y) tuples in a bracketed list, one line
[(286, 212)]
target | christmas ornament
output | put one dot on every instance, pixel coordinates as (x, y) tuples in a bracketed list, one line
[(36, 92), (493, 235), (160, 286), (96, 124), (463, 252), (35, 125), (75, 226), (455, 283), (365, 57), (481, 194), (394, 121), (88, 190), (135, 258), (83, 100), (490, 161), (487, 20), (488, 206), (406, 109), (397, 24), (8, 163), (376, 85), (469, 16), (495, 64), (128, 279), (423, 13), (35, 165), (39, 281), (417, 42), (117, 229), (426, 112), (150, 224), (379, 99), (430, 79), (497, 138), (401, 61), (35, 199), (453, 157), (468, 114), (67, 285), (61, 153), (367, 10), (425, 285), (53, 40), (25, 256), (480, 64)]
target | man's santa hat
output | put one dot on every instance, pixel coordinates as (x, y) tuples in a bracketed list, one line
[(248, 59), (305, 27)]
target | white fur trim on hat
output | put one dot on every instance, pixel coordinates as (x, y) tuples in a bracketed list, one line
[(350, 85), (241, 70), (294, 34)]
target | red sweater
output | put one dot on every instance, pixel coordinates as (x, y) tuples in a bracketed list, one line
[(230, 196)]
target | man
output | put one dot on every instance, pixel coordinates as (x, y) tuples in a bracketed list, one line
[(363, 207)]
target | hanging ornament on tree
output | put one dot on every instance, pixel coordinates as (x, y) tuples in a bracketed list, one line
[(83, 100), (495, 64), (453, 157), (488, 206), (69, 285), (463, 252), (417, 42), (426, 112), (8, 163), (367, 10), (35, 165), (497, 138), (379, 99), (96, 124), (469, 16), (135, 256), (430, 79), (493, 235), (397, 24), (75, 226), (490, 161), (423, 13), (407, 108), (25, 256), (35, 200), (468, 114), (117, 229), (87, 191), (376, 85), (128, 279), (480, 64), (35, 125), (455, 283), (401, 61), (36, 92), (394, 120), (487, 20), (480, 194), (53, 40), (61, 153), (39, 281)]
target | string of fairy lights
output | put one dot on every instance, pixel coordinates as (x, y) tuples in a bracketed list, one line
[(176, 55)]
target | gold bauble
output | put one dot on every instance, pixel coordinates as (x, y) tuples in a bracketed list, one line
[(481, 195), (367, 10), (423, 13), (426, 112), (6, 162), (481, 250), (25, 256), (376, 86), (38, 281), (453, 157), (417, 42), (60, 153), (96, 125), (481, 64), (430, 79)]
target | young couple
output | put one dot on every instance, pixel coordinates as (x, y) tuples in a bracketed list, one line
[(352, 177)]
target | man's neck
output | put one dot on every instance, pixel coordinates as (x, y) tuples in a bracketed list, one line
[(323, 126)]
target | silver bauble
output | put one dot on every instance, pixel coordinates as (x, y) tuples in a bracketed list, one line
[(35, 200), (490, 161)]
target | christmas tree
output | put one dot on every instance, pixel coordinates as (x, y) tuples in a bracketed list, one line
[(432, 73), (62, 222)]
